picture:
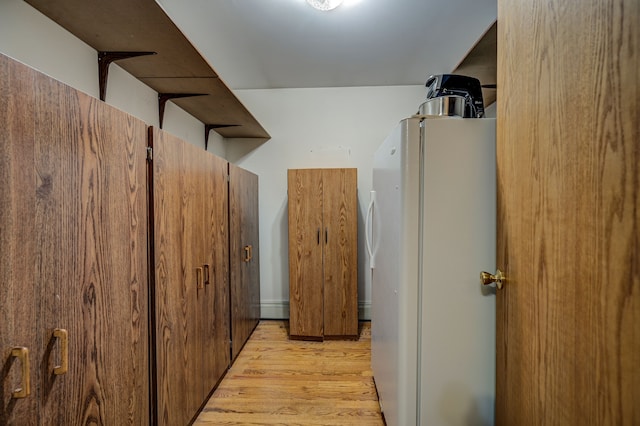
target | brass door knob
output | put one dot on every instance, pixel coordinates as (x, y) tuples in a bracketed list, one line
[(488, 278)]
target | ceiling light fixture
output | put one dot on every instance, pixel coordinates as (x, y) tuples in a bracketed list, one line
[(325, 5)]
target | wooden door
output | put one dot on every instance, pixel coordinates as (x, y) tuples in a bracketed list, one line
[(305, 193), (196, 173), (237, 292), (19, 290), (177, 257), (245, 282), (77, 219), (568, 159), (216, 333), (251, 211), (91, 214), (340, 240)]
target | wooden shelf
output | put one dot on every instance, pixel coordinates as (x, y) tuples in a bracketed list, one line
[(177, 67), (481, 63)]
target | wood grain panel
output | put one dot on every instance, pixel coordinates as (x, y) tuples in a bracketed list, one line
[(19, 294), (245, 278), (92, 260), (305, 194), (176, 296), (190, 231), (194, 170), (216, 334), (340, 216), (236, 259), (81, 205), (569, 225), (252, 232)]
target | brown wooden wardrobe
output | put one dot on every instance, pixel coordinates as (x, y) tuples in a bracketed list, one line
[(323, 258), (73, 268), (115, 274)]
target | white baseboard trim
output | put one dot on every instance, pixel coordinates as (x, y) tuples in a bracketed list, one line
[(280, 310), (364, 311), (274, 310)]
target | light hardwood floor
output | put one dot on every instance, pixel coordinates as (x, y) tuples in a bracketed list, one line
[(287, 382)]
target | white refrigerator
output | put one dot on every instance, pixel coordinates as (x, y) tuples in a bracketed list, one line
[(431, 229)]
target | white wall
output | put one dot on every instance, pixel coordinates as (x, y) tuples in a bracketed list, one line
[(331, 127), (30, 37)]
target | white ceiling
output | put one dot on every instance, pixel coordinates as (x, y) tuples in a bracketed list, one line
[(260, 44)]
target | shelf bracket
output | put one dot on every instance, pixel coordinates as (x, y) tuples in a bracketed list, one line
[(209, 127), (105, 59), (164, 97)]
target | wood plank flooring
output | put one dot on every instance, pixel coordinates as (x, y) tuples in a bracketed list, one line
[(287, 382)]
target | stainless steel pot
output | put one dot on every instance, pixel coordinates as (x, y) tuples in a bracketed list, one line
[(450, 105)]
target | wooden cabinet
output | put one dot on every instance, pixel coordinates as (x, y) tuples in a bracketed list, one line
[(85, 215), (323, 233), (190, 288), (244, 256), (74, 255)]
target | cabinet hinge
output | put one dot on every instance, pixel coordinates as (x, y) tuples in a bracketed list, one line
[(149, 153)]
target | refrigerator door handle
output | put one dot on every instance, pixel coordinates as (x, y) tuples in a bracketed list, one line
[(372, 260)]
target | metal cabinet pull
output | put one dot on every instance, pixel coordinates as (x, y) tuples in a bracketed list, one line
[(207, 278), (22, 353), (326, 235), (318, 236), (199, 281), (63, 336), (248, 253)]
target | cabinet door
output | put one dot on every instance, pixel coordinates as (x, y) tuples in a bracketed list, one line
[(19, 296), (245, 279), (252, 235), (91, 222), (340, 219), (177, 255), (199, 254), (216, 289), (305, 192), (190, 261), (82, 195)]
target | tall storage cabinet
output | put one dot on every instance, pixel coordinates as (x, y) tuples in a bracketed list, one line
[(114, 262), (323, 234), (73, 269), (190, 287), (244, 256)]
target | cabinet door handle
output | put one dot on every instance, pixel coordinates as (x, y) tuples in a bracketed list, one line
[(248, 253), (207, 278), (22, 353), (62, 335), (318, 236), (199, 281), (326, 235)]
